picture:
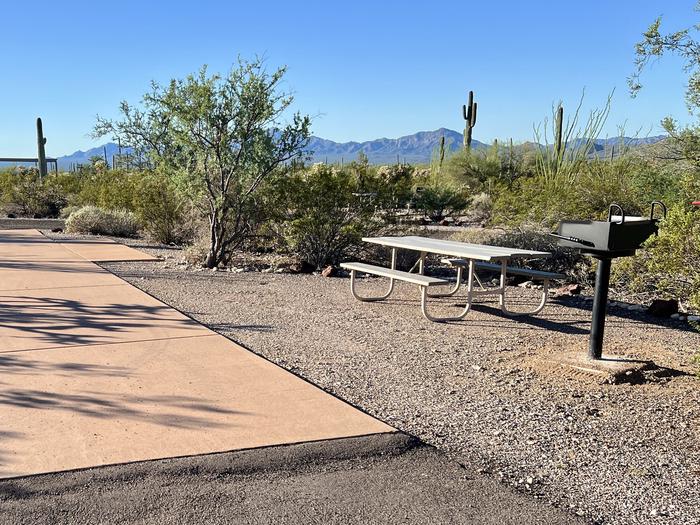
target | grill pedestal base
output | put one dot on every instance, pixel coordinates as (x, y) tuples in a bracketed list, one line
[(600, 303)]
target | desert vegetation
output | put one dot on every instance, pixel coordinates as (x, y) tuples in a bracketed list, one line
[(218, 168)]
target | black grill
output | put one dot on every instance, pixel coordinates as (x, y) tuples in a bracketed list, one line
[(619, 236)]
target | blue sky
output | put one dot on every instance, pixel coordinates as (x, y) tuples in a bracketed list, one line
[(364, 70)]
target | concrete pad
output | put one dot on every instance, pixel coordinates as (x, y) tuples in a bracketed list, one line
[(610, 369), (100, 249), (37, 274), (85, 406), (89, 315), (31, 245)]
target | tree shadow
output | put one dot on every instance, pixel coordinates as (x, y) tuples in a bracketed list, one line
[(63, 322), (183, 412), (26, 366), (52, 265)]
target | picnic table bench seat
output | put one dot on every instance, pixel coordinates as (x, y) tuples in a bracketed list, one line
[(381, 271), (527, 272)]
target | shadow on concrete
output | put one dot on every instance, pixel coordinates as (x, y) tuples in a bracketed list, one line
[(56, 321), (26, 366), (103, 405), (57, 265)]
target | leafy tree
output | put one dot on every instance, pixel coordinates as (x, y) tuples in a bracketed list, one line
[(683, 44), (219, 138)]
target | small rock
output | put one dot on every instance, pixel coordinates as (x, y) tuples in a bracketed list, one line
[(526, 284), (330, 271), (675, 316), (477, 368), (693, 318), (301, 267), (567, 290), (663, 307)]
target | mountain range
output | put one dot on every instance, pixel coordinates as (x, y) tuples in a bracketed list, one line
[(417, 148)]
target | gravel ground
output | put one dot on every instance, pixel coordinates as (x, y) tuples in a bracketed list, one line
[(483, 389)]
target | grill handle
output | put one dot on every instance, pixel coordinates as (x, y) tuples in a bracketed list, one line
[(572, 239), (612, 207), (661, 205)]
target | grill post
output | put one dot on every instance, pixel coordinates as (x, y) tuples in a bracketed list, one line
[(600, 303)]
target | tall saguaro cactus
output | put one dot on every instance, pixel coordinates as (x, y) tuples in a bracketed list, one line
[(469, 114), (41, 142)]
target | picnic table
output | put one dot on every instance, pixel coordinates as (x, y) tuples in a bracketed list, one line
[(459, 255)]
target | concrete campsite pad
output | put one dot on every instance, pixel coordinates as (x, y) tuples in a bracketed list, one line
[(101, 373), (105, 250), (96, 405)]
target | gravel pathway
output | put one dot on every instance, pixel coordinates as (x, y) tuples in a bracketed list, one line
[(482, 389)]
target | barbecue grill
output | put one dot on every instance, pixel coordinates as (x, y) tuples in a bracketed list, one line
[(619, 236)]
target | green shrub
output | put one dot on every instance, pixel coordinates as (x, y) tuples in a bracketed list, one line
[(667, 265), (325, 214), (109, 189), (440, 201), (540, 201), (30, 196), (98, 221), (570, 262), (160, 209)]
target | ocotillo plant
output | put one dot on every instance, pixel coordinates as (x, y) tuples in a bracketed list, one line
[(41, 142), (558, 127), (469, 114)]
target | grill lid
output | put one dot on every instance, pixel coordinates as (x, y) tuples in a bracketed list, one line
[(619, 236)]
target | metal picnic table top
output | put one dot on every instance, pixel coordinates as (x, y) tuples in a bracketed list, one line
[(479, 252)]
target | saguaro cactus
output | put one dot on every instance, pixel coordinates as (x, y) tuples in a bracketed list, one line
[(558, 126), (469, 114), (442, 150), (41, 142)]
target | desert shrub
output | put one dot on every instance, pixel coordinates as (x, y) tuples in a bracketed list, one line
[(31, 196), (668, 265), (111, 190), (159, 208), (98, 221), (325, 214), (480, 208), (570, 262), (477, 170), (395, 183), (438, 201), (540, 201)]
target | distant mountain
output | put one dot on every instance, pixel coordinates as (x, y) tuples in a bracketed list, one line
[(415, 149), (83, 157)]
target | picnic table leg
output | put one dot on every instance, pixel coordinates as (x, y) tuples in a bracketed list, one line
[(502, 295), (470, 288), (454, 289), (378, 298)]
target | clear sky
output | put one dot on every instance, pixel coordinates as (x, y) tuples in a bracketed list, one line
[(364, 69)]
